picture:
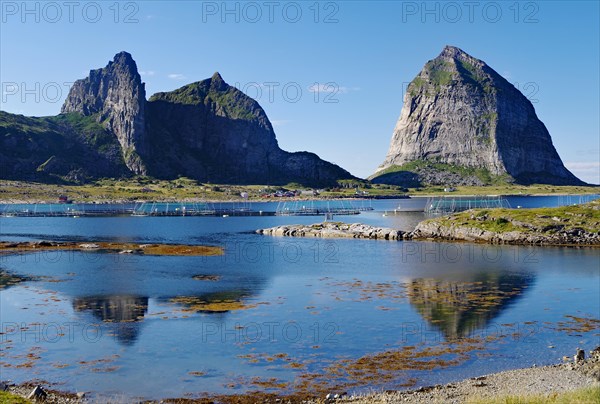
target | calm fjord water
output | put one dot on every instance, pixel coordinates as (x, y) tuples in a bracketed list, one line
[(107, 323)]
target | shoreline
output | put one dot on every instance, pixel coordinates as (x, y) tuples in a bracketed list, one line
[(544, 380), (151, 190), (117, 201), (422, 233)]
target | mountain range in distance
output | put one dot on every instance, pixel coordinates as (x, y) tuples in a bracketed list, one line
[(461, 124)]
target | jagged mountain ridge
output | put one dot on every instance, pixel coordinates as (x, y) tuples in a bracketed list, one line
[(116, 96), (458, 116), (208, 130)]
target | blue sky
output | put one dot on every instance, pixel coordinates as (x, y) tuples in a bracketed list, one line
[(329, 74)]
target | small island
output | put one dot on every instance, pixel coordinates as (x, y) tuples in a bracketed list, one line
[(8, 247), (563, 226)]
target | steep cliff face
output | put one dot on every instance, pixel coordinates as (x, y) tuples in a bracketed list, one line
[(459, 112), (116, 97), (211, 131)]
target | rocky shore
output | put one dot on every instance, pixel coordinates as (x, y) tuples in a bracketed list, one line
[(578, 373), (334, 230), (441, 230), (547, 381), (435, 230)]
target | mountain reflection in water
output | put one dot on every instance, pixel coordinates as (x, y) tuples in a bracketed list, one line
[(124, 311), (459, 308)]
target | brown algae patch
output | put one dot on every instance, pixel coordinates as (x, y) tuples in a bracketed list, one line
[(197, 373), (202, 277), (201, 304), (578, 325), (388, 366), (110, 247), (360, 291)]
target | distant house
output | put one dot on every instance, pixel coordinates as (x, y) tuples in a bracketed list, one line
[(64, 199)]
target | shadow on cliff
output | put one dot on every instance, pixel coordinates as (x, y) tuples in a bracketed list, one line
[(407, 179)]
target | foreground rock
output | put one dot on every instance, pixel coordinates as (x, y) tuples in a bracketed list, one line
[(334, 230)]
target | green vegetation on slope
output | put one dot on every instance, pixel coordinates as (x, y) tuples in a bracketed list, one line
[(417, 166), (231, 101)]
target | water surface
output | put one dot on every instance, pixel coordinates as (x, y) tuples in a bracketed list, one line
[(315, 313)]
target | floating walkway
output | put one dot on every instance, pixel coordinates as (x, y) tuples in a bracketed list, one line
[(451, 204), (317, 208), (131, 209), (65, 210), (197, 209)]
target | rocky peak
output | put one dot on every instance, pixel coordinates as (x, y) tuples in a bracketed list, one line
[(217, 83), (453, 53), (116, 96), (125, 59), (459, 112)]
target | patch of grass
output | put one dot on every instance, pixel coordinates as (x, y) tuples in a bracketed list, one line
[(440, 72), (585, 395), (9, 398)]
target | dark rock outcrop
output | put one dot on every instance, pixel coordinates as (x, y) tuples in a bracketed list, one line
[(459, 115), (211, 131)]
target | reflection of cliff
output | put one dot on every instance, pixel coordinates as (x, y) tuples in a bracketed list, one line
[(8, 279), (126, 311), (459, 308)]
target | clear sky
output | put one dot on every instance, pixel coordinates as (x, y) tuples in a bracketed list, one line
[(330, 74)]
